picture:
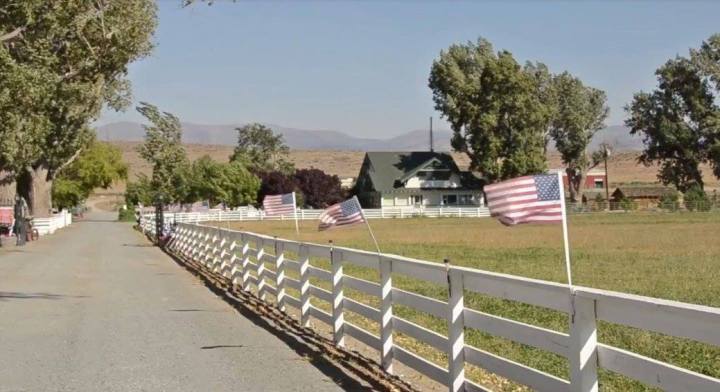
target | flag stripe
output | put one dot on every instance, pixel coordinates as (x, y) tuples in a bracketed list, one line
[(346, 213), (525, 200), (275, 205)]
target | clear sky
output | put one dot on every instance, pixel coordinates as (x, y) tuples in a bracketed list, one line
[(362, 67)]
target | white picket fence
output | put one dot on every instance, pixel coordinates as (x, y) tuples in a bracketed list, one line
[(252, 214), (244, 258), (51, 224)]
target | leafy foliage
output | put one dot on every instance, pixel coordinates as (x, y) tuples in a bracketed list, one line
[(274, 183), (497, 108), (261, 150), (680, 119), (97, 167), (228, 183), (139, 192), (61, 61), (579, 114), (670, 202), (319, 189), (164, 152), (697, 200)]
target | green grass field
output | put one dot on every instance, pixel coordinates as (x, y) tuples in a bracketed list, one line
[(671, 256)]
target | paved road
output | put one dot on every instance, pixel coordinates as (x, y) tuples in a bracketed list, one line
[(94, 308)]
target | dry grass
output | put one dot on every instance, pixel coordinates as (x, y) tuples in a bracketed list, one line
[(673, 256)]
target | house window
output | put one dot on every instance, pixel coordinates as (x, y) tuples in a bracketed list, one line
[(599, 183), (466, 200), (416, 199), (449, 199)]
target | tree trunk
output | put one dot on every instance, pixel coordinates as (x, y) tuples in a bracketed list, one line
[(35, 186), (8, 189), (575, 180)]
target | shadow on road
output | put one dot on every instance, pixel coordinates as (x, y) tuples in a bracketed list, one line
[(343, 369), (222, 346), (7, 295)]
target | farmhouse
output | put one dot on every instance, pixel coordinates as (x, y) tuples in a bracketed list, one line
[(643, 195), (595, 179), (421, 178)]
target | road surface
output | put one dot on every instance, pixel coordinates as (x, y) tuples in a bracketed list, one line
[(94, 308)]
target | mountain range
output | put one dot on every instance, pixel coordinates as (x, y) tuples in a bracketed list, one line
[(307, 139)]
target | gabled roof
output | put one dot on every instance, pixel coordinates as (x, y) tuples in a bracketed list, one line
[(387, 167)]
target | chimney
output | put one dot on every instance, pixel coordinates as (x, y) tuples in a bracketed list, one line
[(432, 149)]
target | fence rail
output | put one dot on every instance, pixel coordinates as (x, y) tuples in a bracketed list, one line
[(244, 258), (252, 214)]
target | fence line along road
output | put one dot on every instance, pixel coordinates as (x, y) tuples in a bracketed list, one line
[(245, 257), (252, 214)]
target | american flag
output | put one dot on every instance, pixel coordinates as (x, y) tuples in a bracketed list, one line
[(526, 199), (279, 204), (348, 212)]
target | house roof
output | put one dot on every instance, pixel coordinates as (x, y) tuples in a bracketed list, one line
[(644, 191), (387, 167)]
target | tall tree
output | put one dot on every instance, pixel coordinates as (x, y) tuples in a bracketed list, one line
[(60, 62), (495, 107), (261, 149), (228, 183), (164, 151), (579, 113), (98, 166), (680, 119)]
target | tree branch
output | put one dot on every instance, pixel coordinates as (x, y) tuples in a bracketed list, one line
[(12, 34), (69, 161)]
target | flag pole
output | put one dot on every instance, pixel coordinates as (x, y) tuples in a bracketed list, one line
[(297, 228), (367, 224), (565, 228)]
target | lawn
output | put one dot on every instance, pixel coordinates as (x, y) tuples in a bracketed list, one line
[(671, 256)]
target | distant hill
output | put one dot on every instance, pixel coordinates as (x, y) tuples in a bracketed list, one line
[(305, 139)]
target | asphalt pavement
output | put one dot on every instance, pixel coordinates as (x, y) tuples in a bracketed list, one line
[(94, 307)]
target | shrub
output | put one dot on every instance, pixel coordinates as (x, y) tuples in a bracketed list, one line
[(127, 214), (669, 202), (628, 204), (319, 189), (697, 200)]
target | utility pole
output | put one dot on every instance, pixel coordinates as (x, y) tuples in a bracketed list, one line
[(432, 148), (606, 150)]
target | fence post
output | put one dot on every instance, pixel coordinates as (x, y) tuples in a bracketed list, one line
[(583, 345), (260, 268), (386, 314), (234, 259), (280, 274), (304, 260), (337, 297), (456, 330), (245, 266)]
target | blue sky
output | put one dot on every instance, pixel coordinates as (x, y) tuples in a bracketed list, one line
[(362, 67)]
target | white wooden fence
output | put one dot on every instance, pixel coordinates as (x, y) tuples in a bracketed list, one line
[(236, 254), (250, 214), (51, 224)]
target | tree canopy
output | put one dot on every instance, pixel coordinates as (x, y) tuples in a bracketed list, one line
[(261, 150), (680, 120), (228, 183), (61, 62), (495, 107), (98, 166), (164, 152), (578, 114), (503, 114), (320, 190)]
